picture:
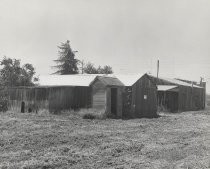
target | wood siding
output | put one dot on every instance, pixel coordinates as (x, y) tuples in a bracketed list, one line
[(189, 98), (51, 98), (98, 95), (101, 97), (69, 98), (145, 98), (140, 100)]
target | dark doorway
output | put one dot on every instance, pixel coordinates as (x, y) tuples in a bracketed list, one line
[(172, 101), (114, 101), (168, 100), (23, 107)]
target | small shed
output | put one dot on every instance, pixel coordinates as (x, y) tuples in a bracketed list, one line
[(139, 96), (177, 95), (107, 95)]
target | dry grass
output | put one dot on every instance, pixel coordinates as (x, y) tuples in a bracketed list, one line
[(80, 113), (44, 141)]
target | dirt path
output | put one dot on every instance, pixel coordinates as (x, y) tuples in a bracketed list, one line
[(66, 141)]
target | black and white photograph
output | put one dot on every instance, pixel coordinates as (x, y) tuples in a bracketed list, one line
[(104, 84)]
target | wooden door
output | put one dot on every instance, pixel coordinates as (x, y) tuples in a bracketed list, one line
[(114, 101)]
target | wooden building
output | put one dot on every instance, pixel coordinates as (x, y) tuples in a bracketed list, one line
[(139, 96), (54, 98), (176, 95), (127, 96), (53, 93), (107, 95)]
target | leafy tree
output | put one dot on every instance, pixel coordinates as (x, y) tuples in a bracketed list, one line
[(12, 74), (66, 63), (27, 73), (100, 70), (105, 70), (90, 69)]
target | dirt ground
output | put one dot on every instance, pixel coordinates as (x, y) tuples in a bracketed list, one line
[(172, 141)]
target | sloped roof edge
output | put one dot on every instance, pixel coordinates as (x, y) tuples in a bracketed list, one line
[(108, 81), (175, 81)]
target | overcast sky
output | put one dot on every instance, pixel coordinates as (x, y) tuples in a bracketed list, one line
[(129, 35)]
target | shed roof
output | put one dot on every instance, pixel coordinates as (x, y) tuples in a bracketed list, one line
[(179, 82), (67, 80), (176, 82), (110, 81), (165, 87)]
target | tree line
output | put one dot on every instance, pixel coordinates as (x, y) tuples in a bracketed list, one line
[(68, 64), (12, 73)]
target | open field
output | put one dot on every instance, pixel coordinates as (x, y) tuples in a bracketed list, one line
[(68, 141)]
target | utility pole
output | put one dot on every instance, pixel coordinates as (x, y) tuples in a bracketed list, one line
[(157, 68), (201, 80), (157, 83)]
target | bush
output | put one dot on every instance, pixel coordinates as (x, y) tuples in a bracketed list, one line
[(89, 116), (3, 104), (92, 114)]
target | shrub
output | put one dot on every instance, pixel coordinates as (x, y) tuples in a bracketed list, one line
[(3, 104), (92, 114), (89, 116)]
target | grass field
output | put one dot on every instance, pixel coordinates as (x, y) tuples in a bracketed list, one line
[(67, 141)]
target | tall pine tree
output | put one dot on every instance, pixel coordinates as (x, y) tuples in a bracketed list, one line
[(66, 63)]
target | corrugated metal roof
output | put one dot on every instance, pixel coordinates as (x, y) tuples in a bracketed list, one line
[(176, 82), (165, 87), (67, 80), (110, 81), (128, 80)]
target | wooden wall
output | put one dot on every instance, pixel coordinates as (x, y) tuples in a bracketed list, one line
[(98, 95), (145, 98), (189, 98), (33, 98), (141, 99), (74, 97), (51, 98), (101, 97), (203, 84)]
